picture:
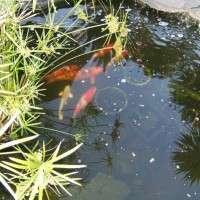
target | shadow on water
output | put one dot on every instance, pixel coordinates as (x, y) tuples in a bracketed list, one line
[(130, 129)]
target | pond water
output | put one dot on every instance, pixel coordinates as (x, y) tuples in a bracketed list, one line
[(138, 114)]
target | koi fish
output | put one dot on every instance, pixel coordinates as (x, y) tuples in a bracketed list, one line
[(89, 73), (60, 74), (65, 94), (85, 73), (102, 52), (84, 100), (69, 76)]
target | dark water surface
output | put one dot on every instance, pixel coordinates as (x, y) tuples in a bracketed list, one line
[(131, 127)]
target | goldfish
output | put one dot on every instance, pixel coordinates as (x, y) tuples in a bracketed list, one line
[(84, 100), (65, 94), (89, 73), (64, 73), (102, 52), (76, 75)]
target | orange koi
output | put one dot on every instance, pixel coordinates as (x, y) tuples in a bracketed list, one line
[(64, 73), (84, 100), (69, 76), (84, 73), (89, 73), (102, 52), (61, 71)]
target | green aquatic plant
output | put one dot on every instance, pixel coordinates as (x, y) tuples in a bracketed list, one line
[(23, 62), (36, 172), (116, 24), (20, 87), (81, 14)]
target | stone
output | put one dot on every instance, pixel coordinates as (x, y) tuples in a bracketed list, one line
[(189, 7)]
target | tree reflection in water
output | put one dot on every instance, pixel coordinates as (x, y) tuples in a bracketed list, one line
[(98, 145), (187, 155), (115, 134), (91, 127), (108, 159)]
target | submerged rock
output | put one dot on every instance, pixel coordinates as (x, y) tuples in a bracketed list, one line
[(102, 186), (189, 7)]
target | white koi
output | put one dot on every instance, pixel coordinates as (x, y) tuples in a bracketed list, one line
[(65, 94)]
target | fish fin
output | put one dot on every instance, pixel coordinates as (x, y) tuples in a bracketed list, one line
[(92, 80), (111, 54), (60, 116), (70, 95), (108, 66), (60, 93), (92, 58), (50, 80)]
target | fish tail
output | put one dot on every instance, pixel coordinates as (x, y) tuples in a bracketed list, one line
[(106, 68), (50, 80), (92, 58), (60, 115)]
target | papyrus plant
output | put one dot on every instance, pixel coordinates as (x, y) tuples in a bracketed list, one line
[(38, 171)]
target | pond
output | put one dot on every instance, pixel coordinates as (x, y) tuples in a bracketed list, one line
[(143, 115)]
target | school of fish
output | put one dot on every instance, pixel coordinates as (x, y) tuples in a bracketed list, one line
[(75, 73)]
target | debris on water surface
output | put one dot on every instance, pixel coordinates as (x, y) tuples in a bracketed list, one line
[(188, 195), (152, 160), (123, 80), (133, 154), (180, 35), (163, 23)]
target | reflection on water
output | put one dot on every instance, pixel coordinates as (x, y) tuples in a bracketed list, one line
[(157, 95), (186, 157), (111, 100), (136, 74)]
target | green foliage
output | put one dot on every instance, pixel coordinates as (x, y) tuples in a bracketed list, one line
[(19, 66), (36, 172), (20, 74)]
